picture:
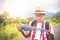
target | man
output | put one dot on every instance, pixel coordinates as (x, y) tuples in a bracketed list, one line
[(38, 23)]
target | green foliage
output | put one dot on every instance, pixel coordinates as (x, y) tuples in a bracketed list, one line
[(9, 27), (9, 32), (54, 19), (57, 16), (51, 21)]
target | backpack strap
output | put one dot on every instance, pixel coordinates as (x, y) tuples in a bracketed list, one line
[(47, 26), (34, 23)]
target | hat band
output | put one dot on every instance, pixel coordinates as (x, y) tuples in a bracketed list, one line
[(40, 12)]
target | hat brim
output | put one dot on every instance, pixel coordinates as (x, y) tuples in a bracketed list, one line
[(39, 12)]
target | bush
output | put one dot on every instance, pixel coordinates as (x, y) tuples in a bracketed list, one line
[(10, 32)]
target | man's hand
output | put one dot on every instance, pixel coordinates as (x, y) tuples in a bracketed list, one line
[(20, 29), (52, 33), (34, 28)]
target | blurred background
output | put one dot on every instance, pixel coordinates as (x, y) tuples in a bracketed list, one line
[(13, 12)]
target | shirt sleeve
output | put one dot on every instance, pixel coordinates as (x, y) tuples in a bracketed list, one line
[(50, 28)]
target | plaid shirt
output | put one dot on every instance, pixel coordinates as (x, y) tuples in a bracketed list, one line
[(35, 35)]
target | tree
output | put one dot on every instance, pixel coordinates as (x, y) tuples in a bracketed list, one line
[(3, 17), (18, 19), (57, 16), (5, 14)]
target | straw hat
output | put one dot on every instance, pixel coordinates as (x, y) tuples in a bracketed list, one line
[(39, 10)]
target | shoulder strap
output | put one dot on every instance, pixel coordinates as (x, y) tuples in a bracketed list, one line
[(47, 26), (33, 23)]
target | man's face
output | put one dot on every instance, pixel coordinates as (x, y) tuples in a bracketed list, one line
[(39, 17)]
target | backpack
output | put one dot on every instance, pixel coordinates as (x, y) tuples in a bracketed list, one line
[(50, 36), (46, 25)]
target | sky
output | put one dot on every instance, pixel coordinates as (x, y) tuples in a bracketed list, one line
[(25, 8)]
